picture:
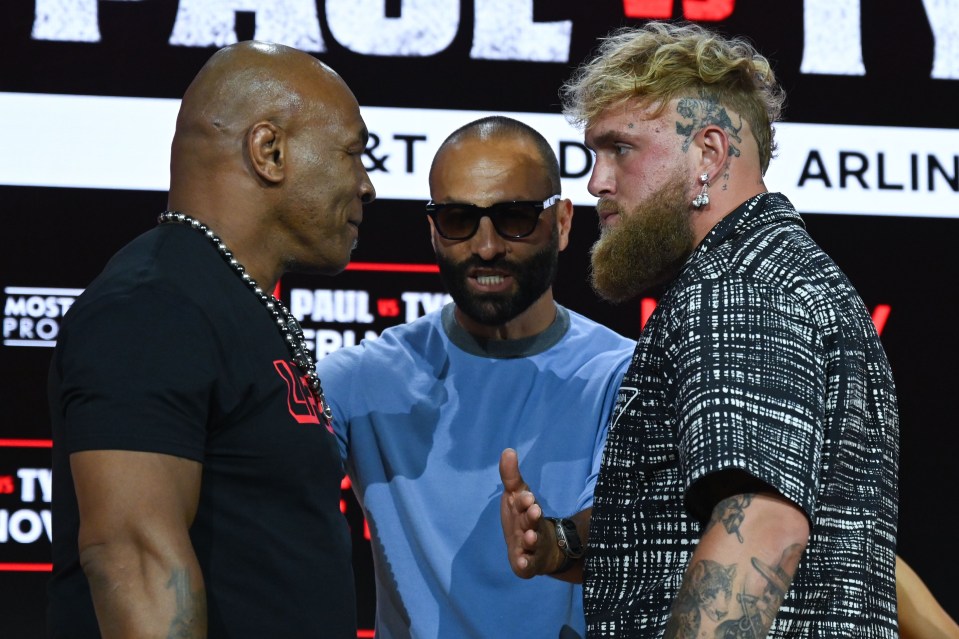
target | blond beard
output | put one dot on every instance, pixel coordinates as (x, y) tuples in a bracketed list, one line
[(647, 247)]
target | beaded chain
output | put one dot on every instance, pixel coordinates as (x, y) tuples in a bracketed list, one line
[(289, 328)]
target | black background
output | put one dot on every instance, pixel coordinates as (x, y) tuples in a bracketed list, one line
[(62, 237)]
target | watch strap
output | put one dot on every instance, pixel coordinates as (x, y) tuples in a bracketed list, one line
[(567, 538)]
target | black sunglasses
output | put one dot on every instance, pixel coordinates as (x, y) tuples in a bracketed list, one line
[(512, 220)]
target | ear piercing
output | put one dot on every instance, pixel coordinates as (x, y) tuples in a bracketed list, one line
[(702, 199)]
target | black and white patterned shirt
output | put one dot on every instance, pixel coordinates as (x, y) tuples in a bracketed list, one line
[(760, 357)]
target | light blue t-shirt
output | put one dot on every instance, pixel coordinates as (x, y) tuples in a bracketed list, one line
[(422, 415)]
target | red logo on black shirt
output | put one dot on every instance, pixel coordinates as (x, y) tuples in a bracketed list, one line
[(299, 399)]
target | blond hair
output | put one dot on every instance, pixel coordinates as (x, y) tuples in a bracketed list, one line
[(660, 61)]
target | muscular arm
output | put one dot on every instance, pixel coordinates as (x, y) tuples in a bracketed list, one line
[(741, 569), (531, 542), (135, 512)]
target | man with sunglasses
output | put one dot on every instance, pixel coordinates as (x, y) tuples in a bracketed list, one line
[(423, 412)]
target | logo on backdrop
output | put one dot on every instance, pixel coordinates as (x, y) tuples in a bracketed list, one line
[(333, 319), (26, 495), (31, 316), (502, 30), (823, 168)]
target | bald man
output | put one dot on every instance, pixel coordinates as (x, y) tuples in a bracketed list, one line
[(423, 412), (196, 474)]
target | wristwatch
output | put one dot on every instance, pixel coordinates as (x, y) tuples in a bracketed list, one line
[(567, 538)]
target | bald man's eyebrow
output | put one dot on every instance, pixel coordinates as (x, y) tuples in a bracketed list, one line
[(365, 136)]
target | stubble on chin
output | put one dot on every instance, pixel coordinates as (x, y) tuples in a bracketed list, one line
[(646, 248), (533, 277)]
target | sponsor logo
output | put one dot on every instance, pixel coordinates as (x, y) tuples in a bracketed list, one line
[(863, 169), (824, 168), (31, 316)]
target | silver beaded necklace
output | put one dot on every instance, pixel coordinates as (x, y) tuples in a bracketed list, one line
[(289, 328)]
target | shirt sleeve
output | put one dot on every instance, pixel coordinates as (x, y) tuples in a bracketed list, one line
[(136, 372), (336, 372), (750, 388)]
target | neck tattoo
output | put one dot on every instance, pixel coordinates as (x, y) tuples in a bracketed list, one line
[(289, 328)]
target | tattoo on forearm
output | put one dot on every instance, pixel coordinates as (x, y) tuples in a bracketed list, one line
[(758, 611), (731, 512), (702, 111), (190, 617), (707, 589), (707, 592)]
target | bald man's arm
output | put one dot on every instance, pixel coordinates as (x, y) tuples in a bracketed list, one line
[(136, 509)]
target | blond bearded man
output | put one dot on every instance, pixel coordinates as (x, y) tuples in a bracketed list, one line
[(749, 482)]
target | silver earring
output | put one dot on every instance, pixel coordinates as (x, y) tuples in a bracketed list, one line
[(702, 199)]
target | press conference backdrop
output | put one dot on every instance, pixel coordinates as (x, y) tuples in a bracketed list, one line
[(869, 152)]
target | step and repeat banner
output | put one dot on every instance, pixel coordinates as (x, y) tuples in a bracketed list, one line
[(868, 152)]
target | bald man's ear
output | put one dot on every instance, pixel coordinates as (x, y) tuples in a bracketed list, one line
[(432, 232), (267, 151), (564, 221)]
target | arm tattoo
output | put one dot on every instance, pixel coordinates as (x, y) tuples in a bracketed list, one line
[(731, 512), (702, 111), (190, 617), (707, 589), (759, 610)]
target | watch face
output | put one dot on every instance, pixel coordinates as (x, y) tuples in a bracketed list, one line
[(568, 538)]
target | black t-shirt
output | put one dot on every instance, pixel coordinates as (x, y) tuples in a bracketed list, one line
[(169, 352)]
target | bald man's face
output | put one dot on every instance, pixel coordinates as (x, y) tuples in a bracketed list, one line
[(493, 279), (328, 181)]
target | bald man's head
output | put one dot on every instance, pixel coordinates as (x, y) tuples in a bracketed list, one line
[(497, 127), (240, 85), (268, 152)]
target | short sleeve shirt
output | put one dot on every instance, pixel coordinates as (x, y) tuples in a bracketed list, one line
[(422, 415), (760, 357), (169, 352)]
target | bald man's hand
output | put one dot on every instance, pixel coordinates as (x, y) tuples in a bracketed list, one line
[(528, 549)]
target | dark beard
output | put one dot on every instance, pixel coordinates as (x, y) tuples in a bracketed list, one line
[(533, 277), (647, 247)]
